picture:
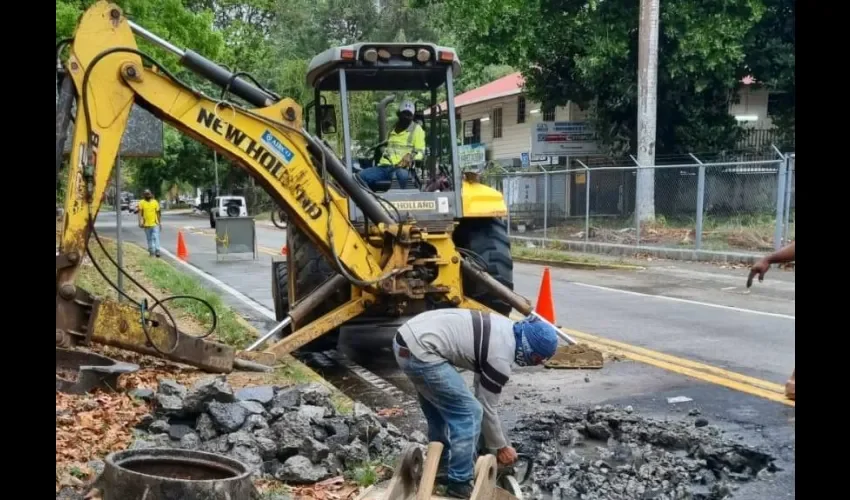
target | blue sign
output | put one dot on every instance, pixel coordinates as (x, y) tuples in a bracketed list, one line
[(525, 160), (277, 147)]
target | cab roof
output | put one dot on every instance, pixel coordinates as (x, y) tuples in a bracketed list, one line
[(398, 72)]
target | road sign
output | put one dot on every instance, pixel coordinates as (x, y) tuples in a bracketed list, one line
[(563, 138), (524, 158)]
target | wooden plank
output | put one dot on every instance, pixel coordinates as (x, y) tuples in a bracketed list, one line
[(429, 471)]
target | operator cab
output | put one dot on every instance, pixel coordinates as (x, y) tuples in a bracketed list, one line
[(394, 72)]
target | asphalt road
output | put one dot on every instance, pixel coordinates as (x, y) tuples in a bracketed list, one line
[(681, 329)]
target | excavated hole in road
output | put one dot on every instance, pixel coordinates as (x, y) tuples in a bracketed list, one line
[(612, 454)]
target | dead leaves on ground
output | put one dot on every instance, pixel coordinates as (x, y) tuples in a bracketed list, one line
[(89, 428), (335, 488), (390, 412)]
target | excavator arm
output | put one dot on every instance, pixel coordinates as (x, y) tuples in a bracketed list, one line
[(109, 75), (301, 174)]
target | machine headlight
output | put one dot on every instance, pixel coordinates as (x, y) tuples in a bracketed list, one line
[(384, 54), (408, 53), (370, 55), (423, 56)]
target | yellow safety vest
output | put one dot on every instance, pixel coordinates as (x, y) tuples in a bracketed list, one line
[(411, 140)]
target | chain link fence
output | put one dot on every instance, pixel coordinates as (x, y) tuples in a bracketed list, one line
[(728, 203)]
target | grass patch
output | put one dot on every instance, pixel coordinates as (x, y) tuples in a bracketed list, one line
[(737, 232), (554, 255), (366, 474), (163, 280), (523, 252), (193, 318)]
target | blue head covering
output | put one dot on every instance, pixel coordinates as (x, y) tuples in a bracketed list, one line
[(534, 337)]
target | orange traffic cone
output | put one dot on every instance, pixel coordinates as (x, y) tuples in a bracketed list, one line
[(182, 253), (545, 305)]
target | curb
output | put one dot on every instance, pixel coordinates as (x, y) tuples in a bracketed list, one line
[(578, 265), (615, 249)]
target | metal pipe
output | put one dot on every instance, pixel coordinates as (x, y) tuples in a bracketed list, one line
[(304, 307), (545, 208), (154, 39), (363, 200), (458, 175), (587, 206), (346, 129), (119, 252), (566, 338), (209, 70), (262, 340), (789, 179), (780, 207), (382, 117), (700, 202), (516, 301)]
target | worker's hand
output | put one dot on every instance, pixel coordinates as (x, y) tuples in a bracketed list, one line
[(506, 455), (759, 268)]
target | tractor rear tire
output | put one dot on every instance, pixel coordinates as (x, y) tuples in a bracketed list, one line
[(487, 237), (311, 270)]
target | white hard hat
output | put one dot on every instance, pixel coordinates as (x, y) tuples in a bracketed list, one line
[(407, 106)]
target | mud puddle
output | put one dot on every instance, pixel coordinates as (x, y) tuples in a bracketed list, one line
[(612, 454)]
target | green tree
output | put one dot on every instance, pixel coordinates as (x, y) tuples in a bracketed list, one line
[(585, 51)]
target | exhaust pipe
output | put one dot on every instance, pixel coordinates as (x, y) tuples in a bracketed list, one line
[(382, 117)]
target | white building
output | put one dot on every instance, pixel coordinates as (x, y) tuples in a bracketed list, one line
[(499, 116)]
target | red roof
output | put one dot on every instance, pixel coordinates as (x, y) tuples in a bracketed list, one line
[(505, 86), (511, 85)]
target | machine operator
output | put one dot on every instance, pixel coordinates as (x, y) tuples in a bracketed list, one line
[(405, 144), (431, 346)]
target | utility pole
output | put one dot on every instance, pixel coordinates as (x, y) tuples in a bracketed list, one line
[(647, 105), (118, 243), (215, 168)]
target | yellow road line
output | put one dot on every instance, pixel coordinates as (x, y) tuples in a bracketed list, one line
[(757, 382), (693, 369), (700, 371)]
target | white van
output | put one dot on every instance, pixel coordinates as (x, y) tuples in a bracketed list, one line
[(228, 206)]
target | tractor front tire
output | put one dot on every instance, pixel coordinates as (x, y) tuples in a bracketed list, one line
[(487, 237)]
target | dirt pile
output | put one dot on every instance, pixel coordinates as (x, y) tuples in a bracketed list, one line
[(612, 454), (291, 434)]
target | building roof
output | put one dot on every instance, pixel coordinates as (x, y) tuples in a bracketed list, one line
[(512, 85), (503, 87)]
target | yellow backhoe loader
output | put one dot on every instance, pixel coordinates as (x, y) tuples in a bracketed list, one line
[(357, 257)]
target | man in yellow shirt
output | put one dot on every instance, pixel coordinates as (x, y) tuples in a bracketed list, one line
[(405, 144), (150, 221)]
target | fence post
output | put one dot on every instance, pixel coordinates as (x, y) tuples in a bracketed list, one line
[(545, 206), (700, 202), (780, 205), (506, 185), (636, 211), (789, 180), (119, 251), (586, 203)]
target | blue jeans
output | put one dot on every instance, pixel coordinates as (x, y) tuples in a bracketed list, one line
[(372, 175), (452, 412), (152, 234)]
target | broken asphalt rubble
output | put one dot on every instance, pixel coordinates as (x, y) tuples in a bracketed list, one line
[(293, 434), (611, 454)]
